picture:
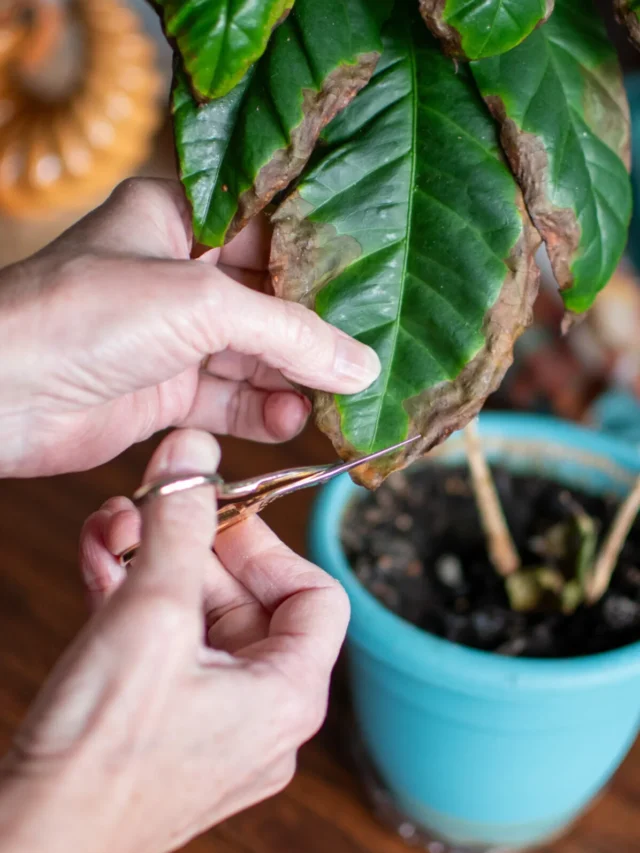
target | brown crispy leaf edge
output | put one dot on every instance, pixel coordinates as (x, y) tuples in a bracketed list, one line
[(319, 108), (305, 256), (433, 13)]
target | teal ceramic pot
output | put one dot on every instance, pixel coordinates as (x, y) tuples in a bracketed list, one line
[(480, 750)]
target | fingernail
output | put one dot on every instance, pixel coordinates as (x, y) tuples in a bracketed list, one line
[(356, 361), (190, 450), (304, 411)]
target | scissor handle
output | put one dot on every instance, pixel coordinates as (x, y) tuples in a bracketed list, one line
[(171, 485)]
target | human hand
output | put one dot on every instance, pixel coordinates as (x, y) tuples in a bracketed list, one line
[(104, 332), (187, 695)]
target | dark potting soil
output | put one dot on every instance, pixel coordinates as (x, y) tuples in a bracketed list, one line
[(417, 545)]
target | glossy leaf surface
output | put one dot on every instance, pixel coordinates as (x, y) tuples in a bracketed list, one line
[(410, 234), (237, 152), (219, 40), (565, 129), (474, 29)]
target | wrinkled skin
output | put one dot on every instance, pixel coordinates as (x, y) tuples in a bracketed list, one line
[(187, 695), (104, 333)]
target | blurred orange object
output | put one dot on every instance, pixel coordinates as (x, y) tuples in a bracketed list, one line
[(79, 102)]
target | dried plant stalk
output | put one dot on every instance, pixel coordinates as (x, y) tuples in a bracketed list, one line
[(502, 550), (607, 558)]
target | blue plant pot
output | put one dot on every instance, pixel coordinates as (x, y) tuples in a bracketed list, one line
[(485, 751)]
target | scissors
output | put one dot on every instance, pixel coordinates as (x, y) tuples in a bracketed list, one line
[(251, 496)]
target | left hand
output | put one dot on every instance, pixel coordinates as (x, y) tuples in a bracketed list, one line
[(104, 332), (186, 697)]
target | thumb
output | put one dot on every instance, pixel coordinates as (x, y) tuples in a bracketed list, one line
[(178, 530)]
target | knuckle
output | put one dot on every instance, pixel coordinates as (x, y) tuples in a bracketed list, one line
[(280, 774), (133, 191), (159, 613), (340, 599), (303, 329), (315, 716), (303, 712), (214, 295), (191, 511), (74, 271), (237, 410), (293, 709)]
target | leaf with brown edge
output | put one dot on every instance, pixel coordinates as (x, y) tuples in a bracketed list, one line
[(237, 152), (219, 40), (560, 100), (475, 29), (410, 234)]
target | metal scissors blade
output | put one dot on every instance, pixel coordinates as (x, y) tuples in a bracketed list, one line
[(251, 496)]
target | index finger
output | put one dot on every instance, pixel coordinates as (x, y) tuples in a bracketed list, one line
[(310, 610), (286, 336)]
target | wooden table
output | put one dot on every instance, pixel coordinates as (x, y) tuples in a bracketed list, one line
[(324, 810)]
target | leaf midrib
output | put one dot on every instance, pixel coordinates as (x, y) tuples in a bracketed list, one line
[(414, 159), (493, 24)]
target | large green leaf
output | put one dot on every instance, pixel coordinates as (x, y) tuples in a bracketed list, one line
[(219, 40), (410, 233), (565, 129), (474, 29), (236, 153), (629, 13)]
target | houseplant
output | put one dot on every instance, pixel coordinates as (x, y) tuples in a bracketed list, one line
[(412, 172), (405, 213), (485, 751)]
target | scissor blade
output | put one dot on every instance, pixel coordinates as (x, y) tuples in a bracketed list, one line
[(335, 470), (343, 467)]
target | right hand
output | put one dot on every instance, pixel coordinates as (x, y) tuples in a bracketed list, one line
[(103, 333), (187, 696)]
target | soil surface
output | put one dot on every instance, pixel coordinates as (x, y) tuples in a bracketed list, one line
[(417, 545)]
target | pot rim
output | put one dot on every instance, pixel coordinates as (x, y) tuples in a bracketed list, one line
[(393, 640)]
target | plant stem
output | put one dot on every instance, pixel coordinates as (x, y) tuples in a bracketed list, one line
[(607, 558), (502, 550)]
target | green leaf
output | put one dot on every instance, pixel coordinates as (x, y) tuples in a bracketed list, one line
[(411, 235), (565, 129), (628, 11), (474, 29), (236, 153), (219, 40), (572, 597), (587, 532)]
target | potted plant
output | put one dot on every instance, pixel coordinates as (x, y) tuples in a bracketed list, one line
[(491, 728), (412, 156)]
